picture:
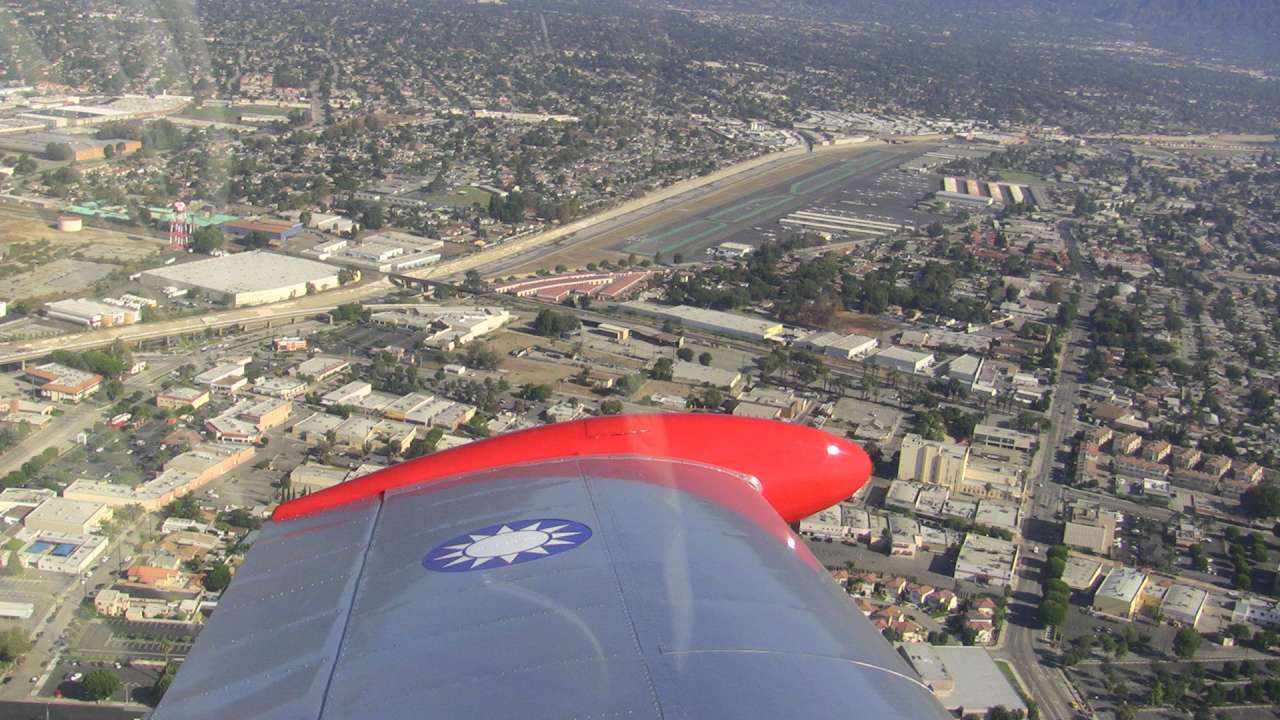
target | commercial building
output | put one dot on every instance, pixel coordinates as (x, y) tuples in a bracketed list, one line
[(313, 477), (387, 252), (1184, 604), (964, 679), (965, 369), (901, 359), (247, 420), (446, 327), (833, 344), (347, 394), (247, 278), (319, 368), (986, 561), (870, 421), (276, 231), (1088, 527), (83, 147), (770, 404), (902, 495), (695, 374), (1120, 592), (61, 515), (285, 388), (70, 553), (179, 397), (713, 321), (288, 344), (1080, 573), (180, 475), (19, 413), (928, 461), (63, 384), (91, 313), (998, 437)]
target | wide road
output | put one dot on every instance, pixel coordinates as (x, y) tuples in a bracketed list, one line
[(1041, 502), (21, 350)]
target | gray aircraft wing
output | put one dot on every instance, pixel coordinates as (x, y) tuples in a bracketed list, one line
[(590, 588)]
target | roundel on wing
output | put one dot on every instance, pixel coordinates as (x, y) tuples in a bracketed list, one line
[(506, 544)]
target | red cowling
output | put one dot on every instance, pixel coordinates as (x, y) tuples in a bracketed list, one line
[(801, 470)]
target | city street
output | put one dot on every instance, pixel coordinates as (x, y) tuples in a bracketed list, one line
[(1024, 643)]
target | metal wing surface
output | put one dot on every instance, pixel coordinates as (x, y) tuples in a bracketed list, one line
[(609, 587)]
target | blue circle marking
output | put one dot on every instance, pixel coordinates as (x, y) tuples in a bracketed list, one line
[(506, 544)]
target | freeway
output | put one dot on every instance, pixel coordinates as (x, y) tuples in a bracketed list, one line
[(23, 350)]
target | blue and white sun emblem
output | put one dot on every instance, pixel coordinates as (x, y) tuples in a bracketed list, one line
[(506, 544)]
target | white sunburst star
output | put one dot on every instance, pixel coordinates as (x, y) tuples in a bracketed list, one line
[(507, 543)]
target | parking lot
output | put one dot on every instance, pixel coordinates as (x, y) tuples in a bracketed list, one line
[(35, 587), (66, 680)]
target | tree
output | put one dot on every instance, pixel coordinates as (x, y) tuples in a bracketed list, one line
[(13, 642), (662, 369), (184, 507), (12, 566), (1186, 642), (540, 393), (1262, 500), (685, 354), (1052, 612), (101, 684), (58, 151), (550, 323), (207, 239), (473, 280), (612, 406), (218, 578)]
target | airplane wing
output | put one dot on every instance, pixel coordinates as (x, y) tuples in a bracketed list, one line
[(625, 567)]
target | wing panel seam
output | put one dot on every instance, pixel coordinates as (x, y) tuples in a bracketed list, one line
[(622, 596), (346, 620)]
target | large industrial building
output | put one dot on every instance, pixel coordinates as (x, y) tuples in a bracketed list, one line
[(846, 347), (249, 278), (902, 359), (91, 313), (710, 320)]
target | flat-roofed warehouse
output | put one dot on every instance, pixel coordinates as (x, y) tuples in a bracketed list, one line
[(710, 320), (248, 278)]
